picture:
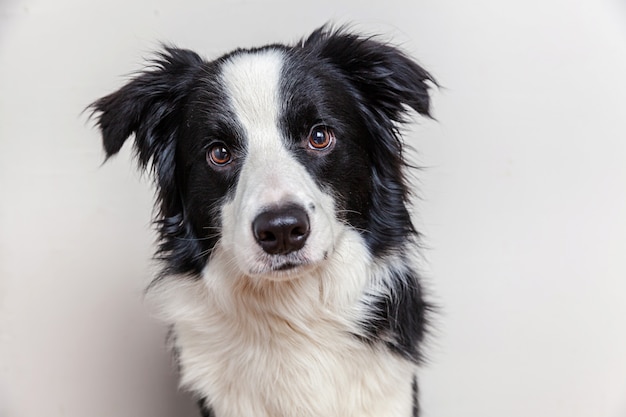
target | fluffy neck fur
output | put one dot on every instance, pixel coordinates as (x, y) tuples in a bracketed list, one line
[(286, 348)]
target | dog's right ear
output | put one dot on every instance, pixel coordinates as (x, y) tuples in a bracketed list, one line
[(148, 106)]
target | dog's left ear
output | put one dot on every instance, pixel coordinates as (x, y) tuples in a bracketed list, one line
[(386, 84), (383, 75)]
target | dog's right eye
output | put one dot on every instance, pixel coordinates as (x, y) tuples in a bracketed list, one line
[(219, 155)]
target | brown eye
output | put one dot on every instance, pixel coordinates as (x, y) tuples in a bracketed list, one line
[(219, 155), (321, 138)]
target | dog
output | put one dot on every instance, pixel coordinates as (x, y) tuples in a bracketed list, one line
[(289, 276)]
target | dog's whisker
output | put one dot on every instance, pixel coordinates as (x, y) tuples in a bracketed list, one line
[(202, 254), (211, 228), (349, 211)]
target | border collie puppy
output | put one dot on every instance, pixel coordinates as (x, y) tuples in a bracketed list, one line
[(282, 208)]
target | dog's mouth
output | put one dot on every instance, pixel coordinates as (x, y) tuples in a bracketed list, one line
[(283, 267), (287, 266)]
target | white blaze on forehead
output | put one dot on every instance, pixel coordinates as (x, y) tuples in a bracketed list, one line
[(269, 174), (252, 82)]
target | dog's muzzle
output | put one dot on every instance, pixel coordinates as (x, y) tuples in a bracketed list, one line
[(281, 230)]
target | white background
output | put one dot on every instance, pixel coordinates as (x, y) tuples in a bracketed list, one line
[(523, 200)]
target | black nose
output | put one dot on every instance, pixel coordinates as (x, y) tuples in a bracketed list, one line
[(281, 230)]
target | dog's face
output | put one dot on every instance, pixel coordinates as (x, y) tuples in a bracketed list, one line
[(270, 154), (278, 152)]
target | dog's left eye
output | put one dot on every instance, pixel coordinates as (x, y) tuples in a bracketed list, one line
[(219, 155), (321, 137)]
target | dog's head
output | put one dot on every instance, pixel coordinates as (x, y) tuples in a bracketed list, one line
[(270, 154)]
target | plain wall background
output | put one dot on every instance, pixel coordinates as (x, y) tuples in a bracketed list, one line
[(523, 200)]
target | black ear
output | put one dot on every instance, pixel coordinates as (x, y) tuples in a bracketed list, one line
[(385, 84), (147, 106), (150, 106), (385, 77)]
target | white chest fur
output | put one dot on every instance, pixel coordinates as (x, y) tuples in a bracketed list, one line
[(284, 349)]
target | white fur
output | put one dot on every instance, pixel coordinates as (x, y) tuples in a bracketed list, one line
[(259, 343)]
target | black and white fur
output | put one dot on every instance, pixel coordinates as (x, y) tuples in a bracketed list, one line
[(287, 245)]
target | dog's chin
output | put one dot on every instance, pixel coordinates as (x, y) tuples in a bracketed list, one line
[(283, 270)]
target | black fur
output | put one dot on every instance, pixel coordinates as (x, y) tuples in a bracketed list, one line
[(382, 84), (416, 404), (152, 108), (399, 318), (206, 410)]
